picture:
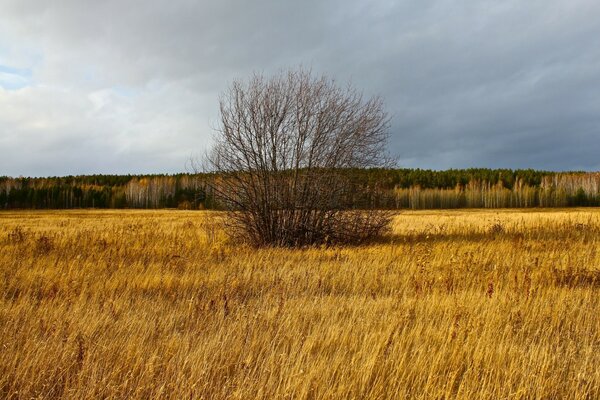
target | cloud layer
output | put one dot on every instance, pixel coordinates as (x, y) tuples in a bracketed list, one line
[(132, 87)]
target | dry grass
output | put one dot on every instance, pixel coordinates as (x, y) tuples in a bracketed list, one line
[(143, 304)]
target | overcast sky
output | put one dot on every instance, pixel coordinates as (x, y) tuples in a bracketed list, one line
[(121, 86)]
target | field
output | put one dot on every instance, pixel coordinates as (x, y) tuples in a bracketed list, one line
[(158, 304)]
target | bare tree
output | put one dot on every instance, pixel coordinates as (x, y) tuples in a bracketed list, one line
[(283, 158)]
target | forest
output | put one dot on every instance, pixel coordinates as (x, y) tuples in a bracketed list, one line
[(396, 189)]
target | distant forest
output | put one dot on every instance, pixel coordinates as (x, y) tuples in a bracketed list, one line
[(396, 188)]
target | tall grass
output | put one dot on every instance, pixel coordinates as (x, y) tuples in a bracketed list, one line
[(149, 304)]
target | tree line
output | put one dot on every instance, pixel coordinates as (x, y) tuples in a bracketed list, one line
[(395, 188)]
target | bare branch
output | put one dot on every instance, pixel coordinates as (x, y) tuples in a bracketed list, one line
[(283, 155)]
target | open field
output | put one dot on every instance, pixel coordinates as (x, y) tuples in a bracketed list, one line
[(148, 304)]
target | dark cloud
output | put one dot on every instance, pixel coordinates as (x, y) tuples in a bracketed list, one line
[(128, 87)]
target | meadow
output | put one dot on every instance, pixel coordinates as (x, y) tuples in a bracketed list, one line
[(486, 304)]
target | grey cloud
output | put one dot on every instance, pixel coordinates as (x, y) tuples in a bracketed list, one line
[(128, 87)]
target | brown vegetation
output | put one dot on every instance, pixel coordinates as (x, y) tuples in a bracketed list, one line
[(280, 157), (146, 304)]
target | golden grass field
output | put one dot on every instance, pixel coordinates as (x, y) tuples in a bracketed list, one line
[(157, 304)]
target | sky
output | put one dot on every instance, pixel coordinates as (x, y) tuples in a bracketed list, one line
[(132, 87)]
